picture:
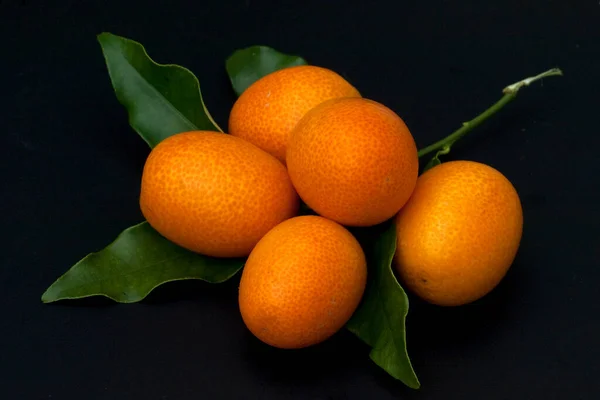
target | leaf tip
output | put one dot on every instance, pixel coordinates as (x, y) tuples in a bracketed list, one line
[(47, 297), (103, 35), (413, 382)]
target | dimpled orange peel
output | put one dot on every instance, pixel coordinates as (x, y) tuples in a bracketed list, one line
[(459, 233), (214, 193), (302, 282), (353, 160), (267, 111)]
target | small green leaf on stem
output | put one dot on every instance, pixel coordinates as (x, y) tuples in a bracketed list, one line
[(161, 100), (139, 260), (436, 159), (248, 65), (380, 320)]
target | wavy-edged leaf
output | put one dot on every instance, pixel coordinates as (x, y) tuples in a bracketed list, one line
[(161, 99), (139, 260), (246, 66), (380, 320)]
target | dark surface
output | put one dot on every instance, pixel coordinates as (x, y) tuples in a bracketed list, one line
[(71, 167)]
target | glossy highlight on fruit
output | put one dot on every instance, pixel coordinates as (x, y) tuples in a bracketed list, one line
[(267, 111), (353, 160), (459, 233), (215, 194), (302, 282)]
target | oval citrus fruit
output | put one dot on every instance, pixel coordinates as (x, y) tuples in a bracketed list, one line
[(353, 160), (267, 110), (213, 193), (302, 282), (459, 233)]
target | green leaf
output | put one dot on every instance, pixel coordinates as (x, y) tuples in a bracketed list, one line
[(161, 100), (433, 162), (380, 320), (248, 65), (139, 260), (436, 159)]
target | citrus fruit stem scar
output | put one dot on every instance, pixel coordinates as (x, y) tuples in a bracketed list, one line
[(510, 92)]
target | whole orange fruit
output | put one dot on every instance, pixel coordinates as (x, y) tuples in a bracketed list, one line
[(302, 282), (268, 110), (459, 233), (214, 194), (353, 160)]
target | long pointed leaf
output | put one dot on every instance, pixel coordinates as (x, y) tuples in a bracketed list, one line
[(380, 320), (139, 260)]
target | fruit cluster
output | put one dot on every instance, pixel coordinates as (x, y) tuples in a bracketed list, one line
[(303, 134)]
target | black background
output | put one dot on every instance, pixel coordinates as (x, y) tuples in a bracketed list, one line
[(71, 168)]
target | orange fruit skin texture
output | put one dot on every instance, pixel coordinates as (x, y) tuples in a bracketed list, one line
[(302, 282), (459, 233), (353, 160), (268, 110), (215, 194)]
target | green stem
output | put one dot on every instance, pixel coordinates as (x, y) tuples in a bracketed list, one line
[(510, 92), (448, 141)]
